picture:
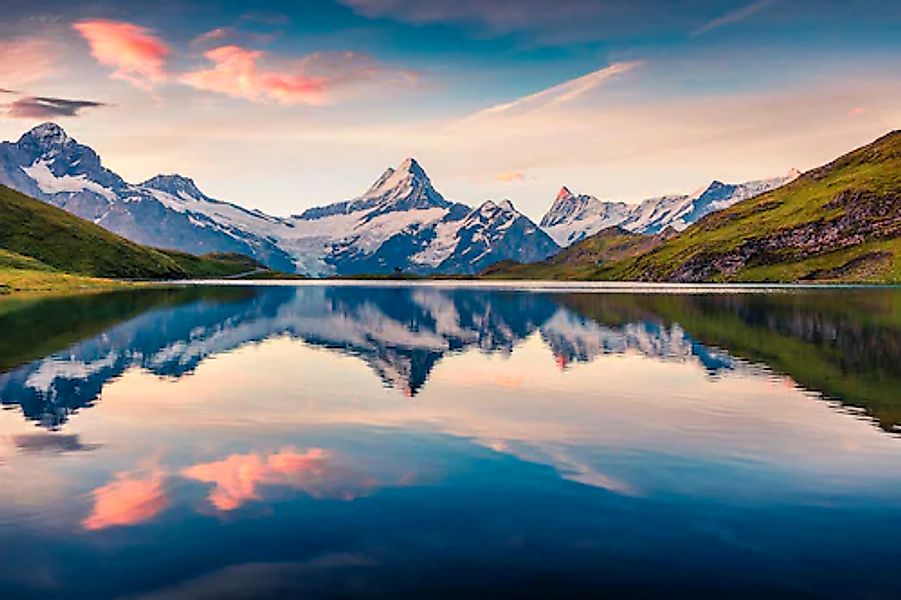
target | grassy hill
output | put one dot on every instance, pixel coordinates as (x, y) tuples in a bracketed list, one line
[(582, 259), (43, 244), (840, 222)]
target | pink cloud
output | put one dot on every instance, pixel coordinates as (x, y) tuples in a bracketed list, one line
[(510, 176), (315, 79), (136, 55), (236, 72), (237, 478), (26, 60), (857, 110), (127, 501)]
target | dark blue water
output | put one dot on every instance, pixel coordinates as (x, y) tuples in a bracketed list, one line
[(394, 441)]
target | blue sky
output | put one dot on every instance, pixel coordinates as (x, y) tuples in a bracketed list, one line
[(283, 105)]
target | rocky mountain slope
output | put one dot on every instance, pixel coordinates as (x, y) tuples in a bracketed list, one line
[(400, 223), (572, 217)]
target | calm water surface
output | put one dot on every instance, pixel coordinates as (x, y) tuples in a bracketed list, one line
[(425, 441)]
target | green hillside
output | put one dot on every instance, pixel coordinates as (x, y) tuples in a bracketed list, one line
[(840, 222), (39, 242), (582, 259)]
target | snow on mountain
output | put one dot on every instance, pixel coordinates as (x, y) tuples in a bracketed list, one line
[(493, 230), (400, 223), (47, 164), (575, 338), (572, 218)]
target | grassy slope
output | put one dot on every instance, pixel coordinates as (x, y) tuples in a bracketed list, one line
[(69, 244), (875, 169), (45, 248), (22, 273), (582, 259)]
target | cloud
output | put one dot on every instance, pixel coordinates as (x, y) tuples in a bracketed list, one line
[(222, 36), (560, 94), (52, 443), (734, 16), (510, 176), (315, 79), (26, 60), (213, 35), (43, 107), (237, 478), (127, 501), (136, 55), (497, 15), (236, 72)]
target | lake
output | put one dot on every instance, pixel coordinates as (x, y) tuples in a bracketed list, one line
[(441, 441)]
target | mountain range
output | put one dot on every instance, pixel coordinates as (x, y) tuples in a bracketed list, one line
[(573, 217), (840, 222), (400, 224)]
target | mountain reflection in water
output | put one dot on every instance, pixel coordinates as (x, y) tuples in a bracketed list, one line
[(845, 345)]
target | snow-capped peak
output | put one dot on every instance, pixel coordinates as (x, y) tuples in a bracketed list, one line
[(404, 188), (46, 135), (564, 195), (409, 174), (174, 184), (46, 141), (507, 205), (409, 165), (792, 175), (568, 206)]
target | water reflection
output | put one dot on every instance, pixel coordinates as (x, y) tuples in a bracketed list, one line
[(845, 344), (419, 441)]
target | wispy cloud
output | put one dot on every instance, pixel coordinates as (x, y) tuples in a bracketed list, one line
[(500, 15), (510, 176), (134, 52), (734, 16), (44, 107), (26, 60), (560, 94), (224, 36), (50, 443)]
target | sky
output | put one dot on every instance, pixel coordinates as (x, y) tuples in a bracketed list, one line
[(282, 105)]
